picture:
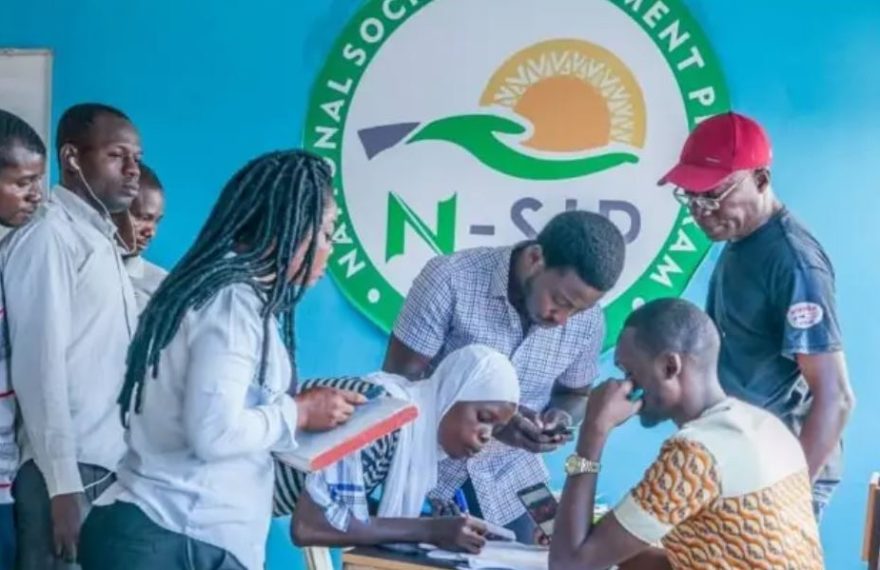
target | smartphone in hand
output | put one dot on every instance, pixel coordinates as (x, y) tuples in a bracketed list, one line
[(541, 506)]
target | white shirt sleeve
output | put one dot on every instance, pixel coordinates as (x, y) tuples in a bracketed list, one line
[(225, 413), (40, 282)]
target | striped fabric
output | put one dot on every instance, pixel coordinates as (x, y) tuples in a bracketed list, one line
[(376, 458)]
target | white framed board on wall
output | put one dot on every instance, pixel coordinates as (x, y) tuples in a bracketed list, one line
[(26, 89)]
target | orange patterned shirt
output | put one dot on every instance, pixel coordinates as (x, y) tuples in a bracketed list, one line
[(729, 490)]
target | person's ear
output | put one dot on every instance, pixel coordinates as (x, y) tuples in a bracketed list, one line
[(535, 258), (672, 365), (762, 179), (69, 155)]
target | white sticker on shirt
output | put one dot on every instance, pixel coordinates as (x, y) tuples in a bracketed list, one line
[(805, 315)]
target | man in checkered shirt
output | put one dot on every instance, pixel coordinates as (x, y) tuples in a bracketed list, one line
[(537, 303)]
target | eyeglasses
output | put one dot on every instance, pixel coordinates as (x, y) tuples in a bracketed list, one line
[(704, 203)]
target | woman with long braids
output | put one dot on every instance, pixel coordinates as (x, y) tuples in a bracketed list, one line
[(205, 396)]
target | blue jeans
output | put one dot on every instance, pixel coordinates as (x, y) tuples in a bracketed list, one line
[(121, 537), (823, 489), (7, 537)]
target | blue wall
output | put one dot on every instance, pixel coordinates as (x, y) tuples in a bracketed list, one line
[(212, 83)]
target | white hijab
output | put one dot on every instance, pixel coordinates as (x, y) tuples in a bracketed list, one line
[(474, 373)]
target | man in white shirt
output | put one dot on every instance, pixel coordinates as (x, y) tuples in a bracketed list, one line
[(137, 228), (22, 167), (71, 312)]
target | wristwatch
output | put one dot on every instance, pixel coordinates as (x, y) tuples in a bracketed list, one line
[(577, 465)]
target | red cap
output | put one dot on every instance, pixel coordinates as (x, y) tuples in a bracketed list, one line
[(718, 147)]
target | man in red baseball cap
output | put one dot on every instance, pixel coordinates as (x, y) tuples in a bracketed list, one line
[(771, 294)]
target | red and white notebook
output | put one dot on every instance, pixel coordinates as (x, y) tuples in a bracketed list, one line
[(370, 421)]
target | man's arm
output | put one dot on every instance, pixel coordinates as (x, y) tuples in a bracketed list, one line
[(424, 322), (401, 359), (647, 513), (805, 299), (572, 401), (578, 544), (651, 559), (40, 279), (833, 402)]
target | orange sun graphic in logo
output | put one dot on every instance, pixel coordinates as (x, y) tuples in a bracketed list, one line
[(578, 96)]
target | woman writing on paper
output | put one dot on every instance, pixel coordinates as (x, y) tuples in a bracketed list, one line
[(474, 391), (209, 369)]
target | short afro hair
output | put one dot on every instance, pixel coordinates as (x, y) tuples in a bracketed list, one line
[(15, 131), (77, 122), (587, 243), (149, 179), (674, 325)]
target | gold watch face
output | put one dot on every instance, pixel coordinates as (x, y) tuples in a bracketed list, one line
[(572, 464)]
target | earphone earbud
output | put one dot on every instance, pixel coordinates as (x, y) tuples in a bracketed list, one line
[(74, 164)]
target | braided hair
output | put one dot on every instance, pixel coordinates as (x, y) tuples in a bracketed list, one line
[(265, 214), (14, 131)]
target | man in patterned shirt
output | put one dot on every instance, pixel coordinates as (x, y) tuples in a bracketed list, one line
[(537, 304), (730, 489)]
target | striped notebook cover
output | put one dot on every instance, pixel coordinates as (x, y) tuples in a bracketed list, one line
[(370, 422)]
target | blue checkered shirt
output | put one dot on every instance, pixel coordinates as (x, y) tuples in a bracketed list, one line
[(461, 299)]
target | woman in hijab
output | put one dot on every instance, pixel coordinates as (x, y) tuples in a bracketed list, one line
[(473, 392)]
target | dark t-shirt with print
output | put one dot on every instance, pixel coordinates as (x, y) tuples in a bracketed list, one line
[(772, 298)]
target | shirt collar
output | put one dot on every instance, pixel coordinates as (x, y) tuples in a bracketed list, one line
[(721, 406), (135, 266), (78, 209)]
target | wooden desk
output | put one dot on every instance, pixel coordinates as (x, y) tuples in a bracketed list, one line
[(384, 559)]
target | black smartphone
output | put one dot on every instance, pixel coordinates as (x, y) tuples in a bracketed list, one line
[(541, 506)]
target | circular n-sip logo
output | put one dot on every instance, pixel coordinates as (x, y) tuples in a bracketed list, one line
[(453, 124)]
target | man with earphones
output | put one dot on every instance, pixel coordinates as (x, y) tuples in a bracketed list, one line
[(71, 313)]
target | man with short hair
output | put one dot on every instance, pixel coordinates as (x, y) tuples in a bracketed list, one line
[(771, 293), (730, 489), (137, 228), (22, 168), (71, 313), (536, 303)]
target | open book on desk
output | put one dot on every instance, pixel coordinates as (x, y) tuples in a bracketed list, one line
[(370, 421)]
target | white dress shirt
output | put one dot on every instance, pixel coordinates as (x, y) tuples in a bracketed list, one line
[(199, 461), (8, 445), (145, 278), (71, 313)]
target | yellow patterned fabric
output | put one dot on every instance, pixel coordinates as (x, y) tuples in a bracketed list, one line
[(729, 492), (680, 483)]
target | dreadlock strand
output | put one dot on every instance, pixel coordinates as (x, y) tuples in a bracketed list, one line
[(221, 236), (288, 245), (276, 202)]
